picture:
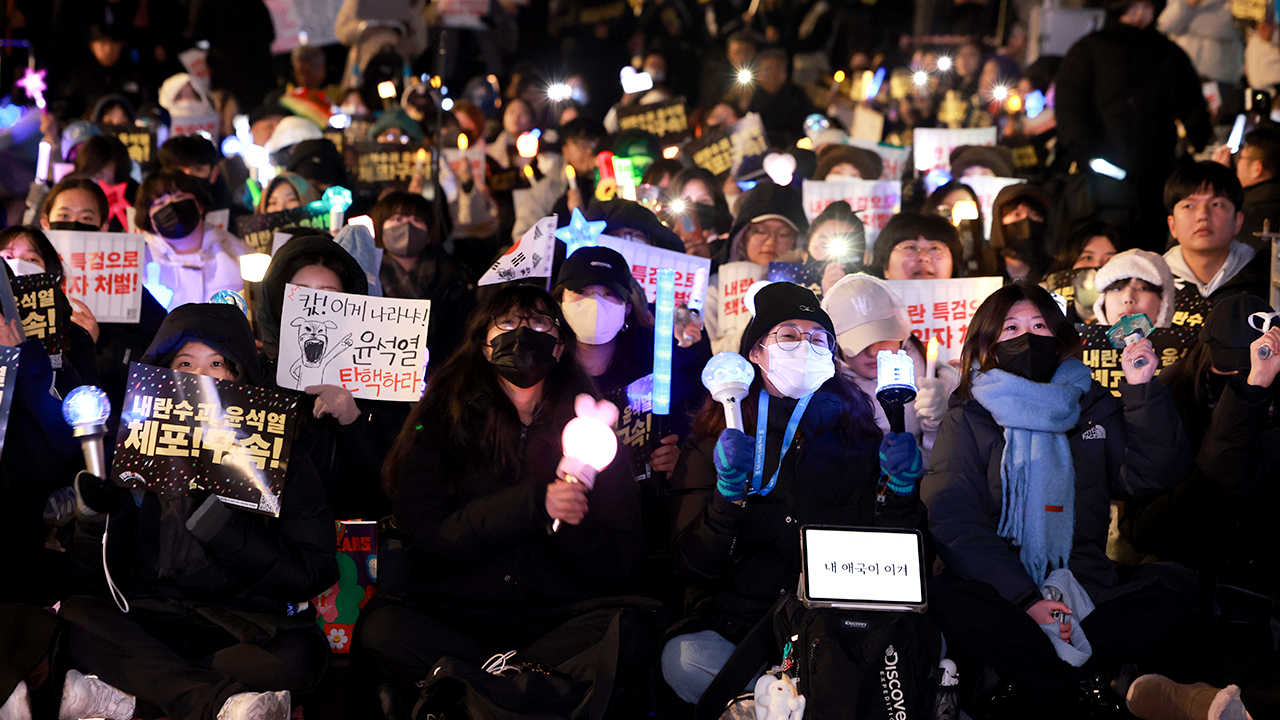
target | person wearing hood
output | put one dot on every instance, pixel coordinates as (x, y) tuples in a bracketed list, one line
[(1023, 470), (347, 439), (181, 96), (1020, 237), (1133, 282), (842, 162), (286, 191), (394, 126), (208, 586), (416, 266), (195, 262), (737, 520), (769, 224), (113, 111), (288, 132), (629, 220)]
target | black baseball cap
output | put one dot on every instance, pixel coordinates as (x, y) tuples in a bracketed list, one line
[(596, 266), (1227, 332)]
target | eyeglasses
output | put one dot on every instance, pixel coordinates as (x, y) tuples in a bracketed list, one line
[(788, 338), (914, 252), (783, 235), (537, 323)]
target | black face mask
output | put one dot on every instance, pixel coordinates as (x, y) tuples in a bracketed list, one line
[(523, 356), (73, 225), (1216, 384), (177, 219), (1031, 356), (1025, 237)]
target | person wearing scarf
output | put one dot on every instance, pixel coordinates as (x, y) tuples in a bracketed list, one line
[(1023, 471)]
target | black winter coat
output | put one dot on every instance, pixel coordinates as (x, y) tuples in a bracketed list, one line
[(1261, 203), (826, 478), (478, 538), (1133, 447)]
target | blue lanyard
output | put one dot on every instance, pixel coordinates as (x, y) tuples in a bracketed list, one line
[(762, 423)]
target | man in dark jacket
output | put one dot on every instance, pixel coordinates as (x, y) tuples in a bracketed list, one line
[(782, 105), (211, 591), (1119, 92), (1258, 169)]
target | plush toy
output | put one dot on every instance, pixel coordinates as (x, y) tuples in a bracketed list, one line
[(777, 699)]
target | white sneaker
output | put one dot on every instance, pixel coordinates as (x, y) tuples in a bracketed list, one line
[(256, 706), (18, 707), (85, 696)]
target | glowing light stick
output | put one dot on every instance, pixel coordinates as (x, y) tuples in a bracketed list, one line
[(608, 185), (964, 210), (588, 441), (873, 87), (895, 385), (463, 142), (580, 232), (1129, 330), (624, 174), (253, 267), (663, 338), (527, 144), (836, 80), (571, 175), (42, 162), (670, 152), (420, 162), (386, 89), (1102, 167), (336, 200), (930, 358), (33, 83), (231, 297), (86, 410), (727, 376)]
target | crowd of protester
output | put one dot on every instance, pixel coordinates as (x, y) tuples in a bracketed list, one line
[(1054, 502)]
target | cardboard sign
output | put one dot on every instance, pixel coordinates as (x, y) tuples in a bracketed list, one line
[(103, 271), (195, 62), (530, 256), (259, 231), (933, 146), (45, 312), (1170, 345), (942, 308), (873, 201), (140, 142), (8, 376), (338, 608), (735, 280), (987, 188), (645, 261), (206, 122), (385, 162), (896, 159), (713, 152), (868, 125), (667, 120), (182, 432), (374, 347)]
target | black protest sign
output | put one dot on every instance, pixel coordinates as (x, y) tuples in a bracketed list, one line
[(636, 422), (713, 151), (1190, 308), (377, 164), (665, 120), (8, 377), (806, 275), (182, 433), (337, 137), (45, 311), (259, 230), (140, 142), (1170, 345)]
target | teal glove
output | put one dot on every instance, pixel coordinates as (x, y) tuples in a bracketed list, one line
[(901, 462)]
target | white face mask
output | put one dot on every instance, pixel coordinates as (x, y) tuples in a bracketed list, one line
[(594, 320), (799, 372), (22, 267)]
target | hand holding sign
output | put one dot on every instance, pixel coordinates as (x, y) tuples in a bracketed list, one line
[(336, 401)]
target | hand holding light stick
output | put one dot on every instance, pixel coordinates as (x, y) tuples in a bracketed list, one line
[(727, 376), (86, 410), (571, 175), (589, 443), (895, 385)]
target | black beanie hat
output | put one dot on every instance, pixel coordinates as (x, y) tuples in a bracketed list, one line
[(769, 200), (1227, 332), (778, 302)]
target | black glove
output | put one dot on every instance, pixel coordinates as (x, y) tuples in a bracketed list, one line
[(95, 495)]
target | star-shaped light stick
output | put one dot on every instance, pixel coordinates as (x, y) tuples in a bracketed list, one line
[(33, 83), (580, 232)]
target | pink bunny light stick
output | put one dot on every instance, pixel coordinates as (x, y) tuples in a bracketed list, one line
[(588, 441)]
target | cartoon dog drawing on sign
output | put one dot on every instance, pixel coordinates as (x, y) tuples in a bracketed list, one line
[(313, 339)]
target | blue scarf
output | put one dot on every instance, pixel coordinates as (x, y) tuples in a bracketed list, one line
[(1037, 512)]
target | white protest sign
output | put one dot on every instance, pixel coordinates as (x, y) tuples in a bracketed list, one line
[(207, 122), (530, 257), (296, 21), (987, 188), (218, 218), (374, 347), (103, 271), (195, 62), (732, 315), (463, 13), (933, 146), (942, 308), (873, 201), (895, 159), (476, 157), (645, 262), (867, 124)]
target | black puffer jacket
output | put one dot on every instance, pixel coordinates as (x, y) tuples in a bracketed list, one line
[(1133, 447), (826, 478), (478, 538)]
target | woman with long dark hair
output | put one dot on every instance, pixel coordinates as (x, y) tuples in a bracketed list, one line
[(474, 486), (1022, 476)]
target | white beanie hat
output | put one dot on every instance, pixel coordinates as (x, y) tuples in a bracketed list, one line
[(292, 130), (865, 311), (170, 88), (1139, 264)]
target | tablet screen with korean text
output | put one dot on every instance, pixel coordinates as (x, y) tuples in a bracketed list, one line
[(863, 565)]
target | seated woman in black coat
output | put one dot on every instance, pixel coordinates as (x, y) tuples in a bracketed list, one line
[(473, 482), (210, 628), (1023, 472)]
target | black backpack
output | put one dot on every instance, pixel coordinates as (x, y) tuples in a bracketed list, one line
[(847, 663)]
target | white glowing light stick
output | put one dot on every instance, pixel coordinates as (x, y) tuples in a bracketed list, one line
[(663, 338), (727, 376), (86, 410)]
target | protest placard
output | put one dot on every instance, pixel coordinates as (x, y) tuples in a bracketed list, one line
[(476, 158), (987, 188), (735, 280), (259, 231), (1170, 345), (45, 313), (1190, 308), (713, 151), (942, 308), (205, 122), (531, 256), (380, 163), (896, 159), (635, 426), (873, 201), (338, 608), (182, 432), (645, 261), (195, 62), (464, 14), (747, 139), (302, 21), (219, 219), (933, 146), (374, 347), (140, 142), (8, 376), (667, 120), (808, 275), (103, 271)]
